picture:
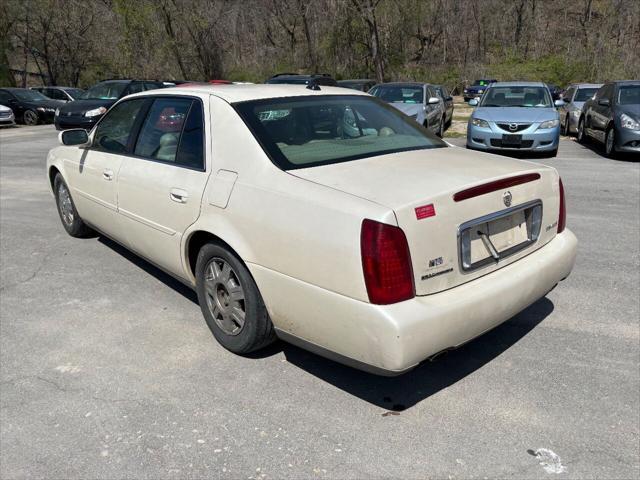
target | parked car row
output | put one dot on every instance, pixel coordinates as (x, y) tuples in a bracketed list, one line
[(522, 116)]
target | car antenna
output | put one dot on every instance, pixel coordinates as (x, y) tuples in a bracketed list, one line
[(313, 85)]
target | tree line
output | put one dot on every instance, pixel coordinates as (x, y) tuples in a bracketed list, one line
[(78, 42)]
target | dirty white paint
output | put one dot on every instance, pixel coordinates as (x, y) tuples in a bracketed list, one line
[(549, 460)]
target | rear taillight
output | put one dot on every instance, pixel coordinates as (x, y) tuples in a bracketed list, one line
[(386, 263), (562, 216)]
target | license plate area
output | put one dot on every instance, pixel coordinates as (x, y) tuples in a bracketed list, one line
[(511, 140), (489, 239)]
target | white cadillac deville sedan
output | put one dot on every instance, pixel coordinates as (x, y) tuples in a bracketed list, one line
[(321, 216)]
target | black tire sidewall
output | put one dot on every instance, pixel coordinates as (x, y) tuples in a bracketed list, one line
[(257, 331), (582, 135)]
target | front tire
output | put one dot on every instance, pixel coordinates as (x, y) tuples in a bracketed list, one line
[(230, 301), (610, 142), (29, 117), (582, 134), (69, 217), (566, 128)]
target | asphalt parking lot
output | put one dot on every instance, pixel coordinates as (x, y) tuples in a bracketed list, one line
[(108, 369)]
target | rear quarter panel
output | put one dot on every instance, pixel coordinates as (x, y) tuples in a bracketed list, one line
[(278, 221)]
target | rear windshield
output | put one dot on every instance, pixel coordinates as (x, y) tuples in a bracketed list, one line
[(398, 94), (303, 132), (516, 97), (105, 91), (584, 94)]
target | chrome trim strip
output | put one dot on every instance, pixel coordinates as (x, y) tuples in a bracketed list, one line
[(534, 223)]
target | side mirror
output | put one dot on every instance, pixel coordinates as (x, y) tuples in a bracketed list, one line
[(77, 136), (433, 100), (558, 103), (566, 100), (473, 102), (604, 102)]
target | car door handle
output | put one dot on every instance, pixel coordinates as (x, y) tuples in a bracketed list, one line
[(107, 174), (178, 195)]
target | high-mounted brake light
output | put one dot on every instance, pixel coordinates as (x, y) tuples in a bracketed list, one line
[(494, 186), (562, 216), (386, 263)]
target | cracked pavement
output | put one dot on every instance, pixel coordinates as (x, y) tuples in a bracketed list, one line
[(107, 369)]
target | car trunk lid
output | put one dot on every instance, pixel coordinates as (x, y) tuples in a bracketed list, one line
[(451, 234)]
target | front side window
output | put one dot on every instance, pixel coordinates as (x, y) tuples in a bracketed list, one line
[(629, 95), (173, 132), (305, 131), (399, 94), (517, 97), (584, 94), (114, 130)]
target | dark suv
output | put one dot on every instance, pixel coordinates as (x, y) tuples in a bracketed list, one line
[(612, 117), (297, 79), (86, 112), (477, 89)]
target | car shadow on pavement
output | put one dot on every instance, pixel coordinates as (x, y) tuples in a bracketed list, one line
[(598, 149), (151, 269), (393, 394), (399, 393)]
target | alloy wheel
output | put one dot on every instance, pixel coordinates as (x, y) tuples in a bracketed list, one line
[(610, 141), (225, 296), (66, 207), (30, 117)]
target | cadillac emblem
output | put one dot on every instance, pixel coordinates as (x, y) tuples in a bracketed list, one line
[(506, 198)]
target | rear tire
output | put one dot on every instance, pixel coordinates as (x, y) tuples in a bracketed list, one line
[(441, 127), (231, 302), (69, 217)]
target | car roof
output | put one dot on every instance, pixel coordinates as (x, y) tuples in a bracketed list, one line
[(13, 88), (356, 80), (585, 85), (518, 84), (405, 84), (243, 93), (626, 82)]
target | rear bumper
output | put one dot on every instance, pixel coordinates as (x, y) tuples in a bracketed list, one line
[(491, 139), (391, 339)]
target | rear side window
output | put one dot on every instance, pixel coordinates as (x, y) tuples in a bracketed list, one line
[(114, 130), (173, 132), (190, 152)]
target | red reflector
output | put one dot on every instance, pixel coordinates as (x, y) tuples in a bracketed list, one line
[(494, 186), (386, 263), (562, 216), (425, 211)]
